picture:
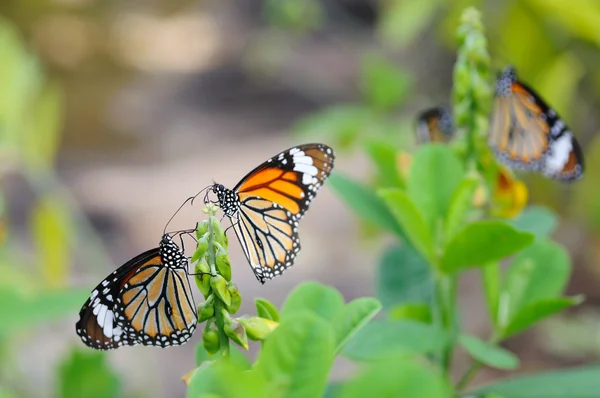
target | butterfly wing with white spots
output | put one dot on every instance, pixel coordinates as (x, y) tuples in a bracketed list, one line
[(267, 204), (146, 301)]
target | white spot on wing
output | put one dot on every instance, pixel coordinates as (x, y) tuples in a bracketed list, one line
[(303, 160), (101, 314), (559, 154), (108, 324), (306, 169), (307, 179)]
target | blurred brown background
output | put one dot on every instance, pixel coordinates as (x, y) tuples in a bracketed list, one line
[(160, 97)]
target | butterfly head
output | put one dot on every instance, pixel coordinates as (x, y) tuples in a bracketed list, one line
[(228, 199), (505, 81), (170, 254)]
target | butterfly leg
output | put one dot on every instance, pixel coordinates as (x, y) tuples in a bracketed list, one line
[(232, 219)]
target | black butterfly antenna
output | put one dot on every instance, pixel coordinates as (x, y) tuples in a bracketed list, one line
[(191, 200)]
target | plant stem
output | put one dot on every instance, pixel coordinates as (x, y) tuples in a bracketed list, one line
[(475, 366), (446, 296), (468, 376), (223, 338)]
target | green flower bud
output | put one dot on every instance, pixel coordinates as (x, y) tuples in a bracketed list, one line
[(202, 277), (202, 229), (236, 298), (217, 230), (201, 248), (219, 286), (257, 328), (210, 339), (236, 332), (222, 262), (206, 310)]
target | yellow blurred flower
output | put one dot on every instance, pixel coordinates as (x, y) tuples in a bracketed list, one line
[(403, 163), (510, 195)]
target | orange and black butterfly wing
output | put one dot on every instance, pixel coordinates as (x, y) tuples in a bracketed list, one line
[(99, 315), (525, 133), (519, 132), (143, 302), (290, 179), (268, 234), (435, 125), (272, 200)]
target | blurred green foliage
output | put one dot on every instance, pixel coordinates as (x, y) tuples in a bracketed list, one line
[(34, 288), (432, 215)]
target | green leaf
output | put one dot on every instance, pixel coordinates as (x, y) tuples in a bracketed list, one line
[(365, 203), (434, 175), (408, 216), (321, 300), (491, 287), (213, 379), (353, 317), (383, 84), (343, 123), (540, 271), (21, 309), (404, 276), (398, 377), (235, 356), (489, 354), (383, 339), (384, 156), (86, 374), (460, 204), (50, 228), (419, 312), (582, 382), (266, 309), (297, 356), (537, 311), (482, 242), (538, 220)]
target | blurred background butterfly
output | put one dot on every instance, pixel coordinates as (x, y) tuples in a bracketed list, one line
[(146, 301), (267, 204), (525, 133), (435, 125)]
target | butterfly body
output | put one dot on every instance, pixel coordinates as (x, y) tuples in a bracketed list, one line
[(266, 205), (525, 133), (146, 301)]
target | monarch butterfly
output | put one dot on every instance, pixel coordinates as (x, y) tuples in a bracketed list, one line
[(146, 301), (435, 125), (266, 205), (526, 133)]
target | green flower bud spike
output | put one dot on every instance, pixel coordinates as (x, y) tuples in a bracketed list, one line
[(472, 92), (212, 260)]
